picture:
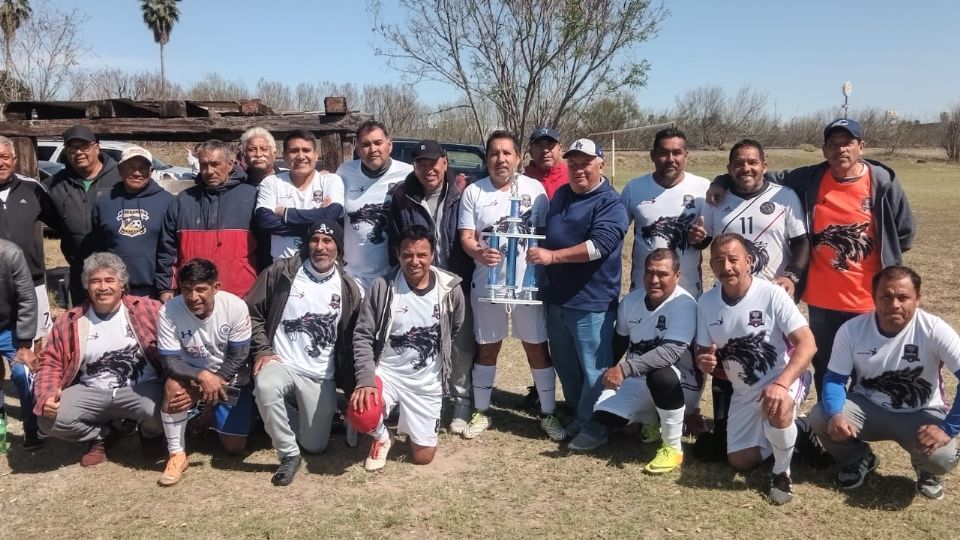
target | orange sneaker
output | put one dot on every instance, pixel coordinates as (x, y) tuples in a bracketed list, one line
[(174, 469)]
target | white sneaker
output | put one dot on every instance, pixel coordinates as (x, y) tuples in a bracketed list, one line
[(461, 416), (378, 455), (479, 423)]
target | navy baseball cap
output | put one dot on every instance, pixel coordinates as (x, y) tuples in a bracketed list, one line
[(849, 125), (428, 149), (542, 132)]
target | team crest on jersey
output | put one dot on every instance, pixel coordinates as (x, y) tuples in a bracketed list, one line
[(661, 323), (767, 208), (224, 330), (911, 353), (436, 311), (335, 301), (755, 319), (866, 204), (197, 352), (687, 201), (318, 196), (132, 221), (186, 334)]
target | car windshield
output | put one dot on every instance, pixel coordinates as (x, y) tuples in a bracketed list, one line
[(159, 165), (463, 160)]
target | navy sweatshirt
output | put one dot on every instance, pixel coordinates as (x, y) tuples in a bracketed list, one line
[(573, 218), (129, 226)]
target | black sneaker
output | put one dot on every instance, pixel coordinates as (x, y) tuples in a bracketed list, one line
[(531, 400), (928, 484), (286, 471), (808, 449), (781, 488), (33, 442), (851, 476)]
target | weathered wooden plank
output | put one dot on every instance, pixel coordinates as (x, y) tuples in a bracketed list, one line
[(25, 147), (331, 151)]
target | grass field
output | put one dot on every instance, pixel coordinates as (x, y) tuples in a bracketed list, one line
[(511, 481)]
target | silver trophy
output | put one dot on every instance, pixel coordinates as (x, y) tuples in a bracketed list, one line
[(508, 292)]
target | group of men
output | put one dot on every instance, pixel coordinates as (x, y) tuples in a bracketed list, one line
[(268, 291)]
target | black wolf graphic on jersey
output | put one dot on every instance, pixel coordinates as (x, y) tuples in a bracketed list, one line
[(758, 250), (671, 229), (850, 242), (125, 364), (904, 386), (644, 346), (376, 216), (425, 340), (755, 356), (321, 329)]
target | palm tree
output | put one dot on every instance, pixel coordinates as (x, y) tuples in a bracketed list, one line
[(159, 16), (13, 13)]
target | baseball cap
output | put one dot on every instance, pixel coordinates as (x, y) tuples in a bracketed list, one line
[(584, 146), (132, 152), (79, 132), (542, 132), (428, 149), (849, 125)]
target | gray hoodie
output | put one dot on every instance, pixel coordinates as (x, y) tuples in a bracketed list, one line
[(18, 300)]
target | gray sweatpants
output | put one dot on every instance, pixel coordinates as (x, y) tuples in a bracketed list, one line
[(316, 405), (85, 410), (464, 349), (874, 423)]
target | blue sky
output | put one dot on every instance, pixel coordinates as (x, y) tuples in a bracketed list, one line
[(900, 55)]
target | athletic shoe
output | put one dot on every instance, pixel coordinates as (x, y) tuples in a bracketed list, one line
[(650, 433), (551, 424), (531, 400), (479, 422), (808, 449), (461, 415), (378, 455), (852, 476), (668, 459), (928, 484), (585, 443), (173, 472), (573, 428), (781, 488), (286, 471), (33, 442), (96, 454)]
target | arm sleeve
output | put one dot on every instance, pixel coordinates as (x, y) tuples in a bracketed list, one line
[(167, 247), (238, 343), (667, 354), (258, 302), (703, 334), (467, 217), (26, 299), (947, 345), (799, 255), (626, 200), (834, 393), (788, 315), (332, 188), (794, 219), (365, 334), (608, 227), (903, 216), (620, 345)]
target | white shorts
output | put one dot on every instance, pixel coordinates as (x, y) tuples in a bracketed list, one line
[(632, 401), (419, 413), (528, 323), (745, 423), (44, 319)]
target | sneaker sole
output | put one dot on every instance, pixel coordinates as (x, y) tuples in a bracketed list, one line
[(780, 498), (659, 471)]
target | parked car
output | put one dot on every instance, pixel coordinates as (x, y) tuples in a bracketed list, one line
[(171, 177), (469, 160), (46, 169)]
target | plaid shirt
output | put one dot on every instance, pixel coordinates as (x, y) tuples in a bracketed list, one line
[(59, 362)]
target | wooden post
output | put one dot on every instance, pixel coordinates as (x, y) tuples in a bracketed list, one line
[(26, 148), (330, 151)]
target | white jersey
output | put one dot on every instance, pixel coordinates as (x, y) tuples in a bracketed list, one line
[(661, 217), (366, 202), (768, 220), (411, 355), (203, 343), (305, 339), (484, 207), (112, 357), (750, 335), (277, 190), (900, 373), (675, 319)]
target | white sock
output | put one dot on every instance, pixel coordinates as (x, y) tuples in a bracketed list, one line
[(483, 377), (174, 427), (782, 442), (380, 433), (671, 426), (546, 382)]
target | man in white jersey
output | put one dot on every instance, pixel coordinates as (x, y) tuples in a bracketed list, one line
[(204, 339), (101, 363), (404, 338), (655, 328), (303, 310), (895, 354), (368, 184), (485, 206), (746, 325), (290, 202)]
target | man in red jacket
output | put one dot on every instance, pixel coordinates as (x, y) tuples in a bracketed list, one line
[(545, 162)]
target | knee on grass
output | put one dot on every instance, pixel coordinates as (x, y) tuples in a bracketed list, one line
[(422, 455), (744, 460), (233, 444)]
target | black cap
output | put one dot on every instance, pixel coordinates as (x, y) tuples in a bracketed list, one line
[(79, 132), (428, 149), (544, 132), (331, 228)]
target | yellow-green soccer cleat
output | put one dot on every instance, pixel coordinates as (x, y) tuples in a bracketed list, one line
[(668, 459)]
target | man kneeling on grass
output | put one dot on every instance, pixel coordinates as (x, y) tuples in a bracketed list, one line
[(403, 340), (101, 363), (204, 338), (895, 354)]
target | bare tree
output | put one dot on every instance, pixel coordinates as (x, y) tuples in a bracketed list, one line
[(396, 106), (950, 132), (275, 95), (213, 87), (712, 118), (532, 59), (47, 50), (117, 84)]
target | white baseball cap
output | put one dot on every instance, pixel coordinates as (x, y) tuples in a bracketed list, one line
[(584, 146), (131, 152)]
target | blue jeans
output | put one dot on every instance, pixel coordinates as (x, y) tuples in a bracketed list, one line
[(23, 381), (581, 348)]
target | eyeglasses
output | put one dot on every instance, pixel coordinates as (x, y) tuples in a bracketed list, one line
[(81, 147)]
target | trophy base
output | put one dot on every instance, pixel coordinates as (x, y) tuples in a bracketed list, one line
[(511, 301)]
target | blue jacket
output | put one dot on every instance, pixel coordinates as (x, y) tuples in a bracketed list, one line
[(129, 226), (573, 218)]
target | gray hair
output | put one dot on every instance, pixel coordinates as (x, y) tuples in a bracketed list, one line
[(255, 132), (216, 145), (7, 142), (104, 261)]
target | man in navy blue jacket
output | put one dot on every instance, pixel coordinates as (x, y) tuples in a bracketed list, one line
[(585, 229), (128, 221)]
